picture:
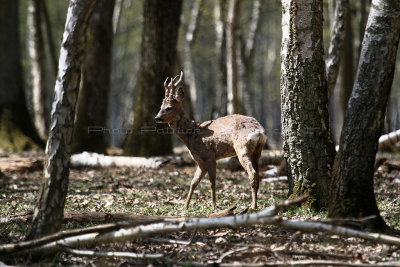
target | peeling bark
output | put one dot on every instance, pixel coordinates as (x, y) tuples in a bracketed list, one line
[(48, 212), (352, 193), (308, 147)]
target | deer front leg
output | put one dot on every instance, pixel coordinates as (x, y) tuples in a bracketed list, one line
[(212, 169), (196, 180)]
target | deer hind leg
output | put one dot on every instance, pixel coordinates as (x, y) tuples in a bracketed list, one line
[(247, 160), (200, 172), (255, 158)]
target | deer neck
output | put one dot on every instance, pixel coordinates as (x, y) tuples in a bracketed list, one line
[(183, 127)]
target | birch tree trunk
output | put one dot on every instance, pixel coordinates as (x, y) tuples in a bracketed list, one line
[(117, 15), (17, 131), (188, 39), (342, 15), (247, 56), (49, 209), (37, 67), (232, 24), (308, 147), (92, 105), (352, 193), (364, 9), (220, 102), (346, 72), (158, 55)]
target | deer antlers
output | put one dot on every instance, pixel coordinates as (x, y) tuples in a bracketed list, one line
[(170, 89)]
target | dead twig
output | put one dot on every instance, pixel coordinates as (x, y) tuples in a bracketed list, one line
[(292, 239), (230, 252), (225, 212), (170, 241), (112, 254)]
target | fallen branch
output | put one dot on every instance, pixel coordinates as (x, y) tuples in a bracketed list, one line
[(225, 212), (308, 226), (90, 217), (86, 159), (108, 254), (16, 163), (268, 157), (266, 216), (98, 229), (389, 139), (92, 238), (170, 241)]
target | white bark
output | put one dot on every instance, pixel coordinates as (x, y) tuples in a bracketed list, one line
[(389, 139), (267, 216), (231, 56), (87, 159), (117, 15), (187, 59), (37, 69), (342, 14), (48, 213)]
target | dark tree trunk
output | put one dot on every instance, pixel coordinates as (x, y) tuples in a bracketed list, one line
[(17, 131), (93, 96), (352, 193), (158, 55), (37, 67), (308, 147), (49, 210)]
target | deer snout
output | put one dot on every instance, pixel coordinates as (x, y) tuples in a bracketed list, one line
[(158, 119)]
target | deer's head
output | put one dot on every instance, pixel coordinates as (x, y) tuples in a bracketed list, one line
[(172, 103)]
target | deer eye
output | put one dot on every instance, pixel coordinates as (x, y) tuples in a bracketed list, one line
[(168, 109)]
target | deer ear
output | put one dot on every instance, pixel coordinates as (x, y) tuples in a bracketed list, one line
[(179, 94)]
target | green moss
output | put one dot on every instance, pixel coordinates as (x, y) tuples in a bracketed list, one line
[(300, 188), (12, 139)]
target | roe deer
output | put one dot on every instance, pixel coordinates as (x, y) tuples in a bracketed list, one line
[(212, 140)]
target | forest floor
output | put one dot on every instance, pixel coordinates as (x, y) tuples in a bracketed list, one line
[(163, 191)]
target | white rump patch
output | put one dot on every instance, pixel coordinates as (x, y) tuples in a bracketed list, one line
[(257, 136)]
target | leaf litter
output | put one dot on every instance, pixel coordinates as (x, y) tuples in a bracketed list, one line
[(162, 192)]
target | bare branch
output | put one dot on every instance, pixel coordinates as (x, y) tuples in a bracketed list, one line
[(128, 233), (109, 254)]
